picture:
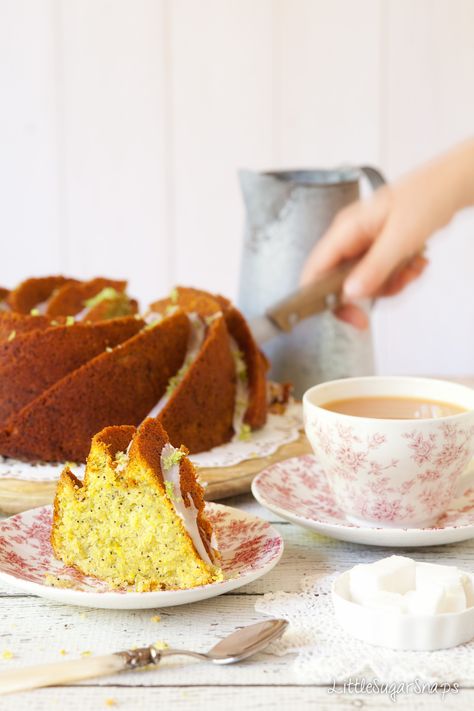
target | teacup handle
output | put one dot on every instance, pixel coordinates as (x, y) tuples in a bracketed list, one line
[(466, 480)]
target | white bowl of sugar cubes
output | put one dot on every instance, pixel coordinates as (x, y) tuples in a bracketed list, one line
[(399, 603)]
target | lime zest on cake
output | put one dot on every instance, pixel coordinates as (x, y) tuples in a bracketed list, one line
[(240, 364), (197, 334), (170, 492), (174, 458), (175, 380), (171, 309), (213, 317), (121, 459), (174, 296), (245, 432), (152, 319), (241, 430), (107, 294)]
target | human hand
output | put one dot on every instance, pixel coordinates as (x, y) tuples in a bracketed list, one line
[(388, 231)]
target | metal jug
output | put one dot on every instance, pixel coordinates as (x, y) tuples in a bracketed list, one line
[(286, 213)]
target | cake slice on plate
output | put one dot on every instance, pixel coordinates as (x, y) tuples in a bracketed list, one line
[(138, 517)]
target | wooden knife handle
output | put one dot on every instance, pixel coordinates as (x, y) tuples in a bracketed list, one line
[(75, 670), (309, 300)]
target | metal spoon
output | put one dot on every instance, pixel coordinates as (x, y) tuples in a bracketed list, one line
[(238, 645)]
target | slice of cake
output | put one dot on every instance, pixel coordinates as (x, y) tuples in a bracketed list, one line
[(138, 518)]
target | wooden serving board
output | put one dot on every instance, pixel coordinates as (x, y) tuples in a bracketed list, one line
[(220, 482)]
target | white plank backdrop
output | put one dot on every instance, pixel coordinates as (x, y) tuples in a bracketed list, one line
[(122, 126)]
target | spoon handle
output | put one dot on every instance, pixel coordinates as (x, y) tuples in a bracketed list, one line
[(76, 670)]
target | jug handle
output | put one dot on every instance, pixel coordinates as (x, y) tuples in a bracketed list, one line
[(374, 176)]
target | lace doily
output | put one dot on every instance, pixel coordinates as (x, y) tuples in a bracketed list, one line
[(279, 430), (325, 653)]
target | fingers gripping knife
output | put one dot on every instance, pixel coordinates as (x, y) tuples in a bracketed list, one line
[(322, 294)]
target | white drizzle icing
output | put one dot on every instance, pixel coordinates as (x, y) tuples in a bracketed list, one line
[(41, 307), (152, 318), (122, 458), (81, 314), (241, 394), (187, 513), (196, 338)]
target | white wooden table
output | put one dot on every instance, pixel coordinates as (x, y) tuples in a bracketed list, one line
[(36, 630)]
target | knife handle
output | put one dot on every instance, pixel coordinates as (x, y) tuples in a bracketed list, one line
[(309, 300), (76, 670)]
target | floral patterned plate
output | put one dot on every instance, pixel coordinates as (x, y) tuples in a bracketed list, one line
[(296, 490), (249, 548)]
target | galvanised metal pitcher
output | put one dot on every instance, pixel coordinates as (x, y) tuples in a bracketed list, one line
[(286, 213)]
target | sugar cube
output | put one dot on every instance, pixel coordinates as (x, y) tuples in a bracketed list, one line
[(449, 578), (454, 596), (395, 574), (429, 573), (468, 589), (429, 601), (383, 600)]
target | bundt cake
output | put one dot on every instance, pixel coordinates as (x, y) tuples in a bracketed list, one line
[(76, 363), (138, 517)]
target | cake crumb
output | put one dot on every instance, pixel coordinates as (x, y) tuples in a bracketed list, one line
[(86, 653), (156, 618), (63, 652), (56, 582), (7, 655), (111, 702)]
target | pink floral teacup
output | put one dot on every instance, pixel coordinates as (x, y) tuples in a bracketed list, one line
[(391, 472)]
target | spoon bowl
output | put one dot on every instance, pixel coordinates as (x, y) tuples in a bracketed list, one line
[(246, 641)]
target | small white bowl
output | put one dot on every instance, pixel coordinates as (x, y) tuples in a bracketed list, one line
[(396, 630)]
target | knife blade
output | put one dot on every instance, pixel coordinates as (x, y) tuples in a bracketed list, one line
[(282, 317)]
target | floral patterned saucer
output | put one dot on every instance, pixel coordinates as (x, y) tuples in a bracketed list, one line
[(249, 547), (296, 490)]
